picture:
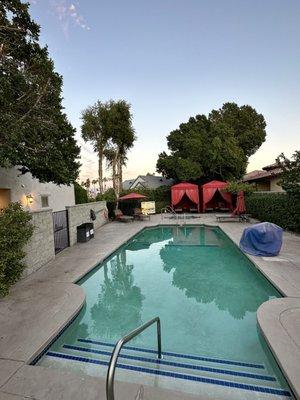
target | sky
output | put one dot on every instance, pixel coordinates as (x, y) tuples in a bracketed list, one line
[(172, 59)]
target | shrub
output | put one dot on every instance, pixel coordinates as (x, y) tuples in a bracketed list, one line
[(15, 231), (280, 208), (80, 194), (234, 187)]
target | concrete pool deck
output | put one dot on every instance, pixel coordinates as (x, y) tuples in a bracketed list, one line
[(40, 305)]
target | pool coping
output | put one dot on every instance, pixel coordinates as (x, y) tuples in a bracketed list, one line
[(141, 226)]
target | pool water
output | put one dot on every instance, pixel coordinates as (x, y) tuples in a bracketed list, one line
[(204, 289)]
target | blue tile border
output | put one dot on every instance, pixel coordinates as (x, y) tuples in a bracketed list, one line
[(178, 355), (254, 388), (175, 364)]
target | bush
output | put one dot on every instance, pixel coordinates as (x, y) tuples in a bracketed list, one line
[(280, 208), (15, 231), (234, 187), (80, 194)]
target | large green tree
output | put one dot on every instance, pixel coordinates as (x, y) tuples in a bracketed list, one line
[(290, 178), (34, 131), (213, 147)]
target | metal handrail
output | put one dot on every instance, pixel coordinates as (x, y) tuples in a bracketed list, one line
[(168, 209), (118, 347)]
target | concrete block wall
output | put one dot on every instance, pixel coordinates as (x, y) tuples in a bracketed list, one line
[(40, 248), (80, 214)]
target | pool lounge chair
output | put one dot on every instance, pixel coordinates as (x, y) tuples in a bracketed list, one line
[(121, 217), (138, 215), (233, 217)]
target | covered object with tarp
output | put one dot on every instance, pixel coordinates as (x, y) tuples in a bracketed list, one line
[(214, 197), (264, 239), (185, 196)]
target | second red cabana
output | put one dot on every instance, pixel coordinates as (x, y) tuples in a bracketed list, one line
[(185, 196), (213, 196)]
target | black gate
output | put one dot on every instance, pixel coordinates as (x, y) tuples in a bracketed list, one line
[(61, 230)]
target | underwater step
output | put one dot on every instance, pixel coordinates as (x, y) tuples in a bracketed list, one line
[(166, 362), (177, 355), (174, 375)]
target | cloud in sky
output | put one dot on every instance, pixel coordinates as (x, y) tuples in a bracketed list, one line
[(67, 13)]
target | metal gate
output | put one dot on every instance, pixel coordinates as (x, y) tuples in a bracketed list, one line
[(61, 230)]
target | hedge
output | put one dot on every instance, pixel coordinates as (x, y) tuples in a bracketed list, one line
[(81, 195), (15, 231), (280, 208)]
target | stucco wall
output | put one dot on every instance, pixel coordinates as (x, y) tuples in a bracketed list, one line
[(274, 187), (22, 185), (80, 214), (40, 249)]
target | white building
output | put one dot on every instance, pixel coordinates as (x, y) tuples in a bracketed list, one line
[(31, 193)]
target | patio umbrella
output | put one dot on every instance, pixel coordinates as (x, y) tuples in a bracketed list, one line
[(132, 196), (240, 204)]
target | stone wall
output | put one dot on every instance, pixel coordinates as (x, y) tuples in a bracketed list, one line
[(80, 214), (40, 249)]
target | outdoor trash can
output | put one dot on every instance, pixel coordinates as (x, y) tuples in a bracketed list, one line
[(85, 232)]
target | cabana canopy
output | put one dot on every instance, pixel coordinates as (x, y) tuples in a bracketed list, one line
[(211, 188), (185, 188)]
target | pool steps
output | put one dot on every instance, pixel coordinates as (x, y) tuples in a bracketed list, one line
[(236, 374)]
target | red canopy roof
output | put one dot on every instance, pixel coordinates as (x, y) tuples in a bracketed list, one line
[(184, 185), (215, 184), (132, 196)]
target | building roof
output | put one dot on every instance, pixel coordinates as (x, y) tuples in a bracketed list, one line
[(148, 181), (270, 171), (126, 184)]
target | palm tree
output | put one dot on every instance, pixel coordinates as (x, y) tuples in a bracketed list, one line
[(122, 139), (94, 130)]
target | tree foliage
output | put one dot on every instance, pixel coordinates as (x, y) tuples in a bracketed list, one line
[(81, 195), (15, 231), (235, 187), (213, 147), (290, 178), (34, 130)]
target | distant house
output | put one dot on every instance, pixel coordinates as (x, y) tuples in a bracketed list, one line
[(31, 193), (147, 182), (266, 179)]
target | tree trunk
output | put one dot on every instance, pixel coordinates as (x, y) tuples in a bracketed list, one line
[(116, 174), (100, 168), (120, 174)]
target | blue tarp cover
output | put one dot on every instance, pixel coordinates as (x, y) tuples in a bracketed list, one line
[(264, 239)]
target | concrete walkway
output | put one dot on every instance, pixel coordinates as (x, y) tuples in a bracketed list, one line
[(39, 306)]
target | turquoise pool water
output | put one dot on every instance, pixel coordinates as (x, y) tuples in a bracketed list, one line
[(205, 291)]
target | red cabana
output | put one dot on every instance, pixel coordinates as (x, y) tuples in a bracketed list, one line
[(185, 196), (213, 196)]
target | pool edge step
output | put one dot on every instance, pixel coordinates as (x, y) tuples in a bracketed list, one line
[(177, 355), (175, 375), (163, 362)]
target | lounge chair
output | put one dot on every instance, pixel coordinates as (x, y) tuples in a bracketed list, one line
[(139, 215), (121, 217), (233, 217)]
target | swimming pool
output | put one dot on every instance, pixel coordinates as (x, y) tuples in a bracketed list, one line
[(206, 293)]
